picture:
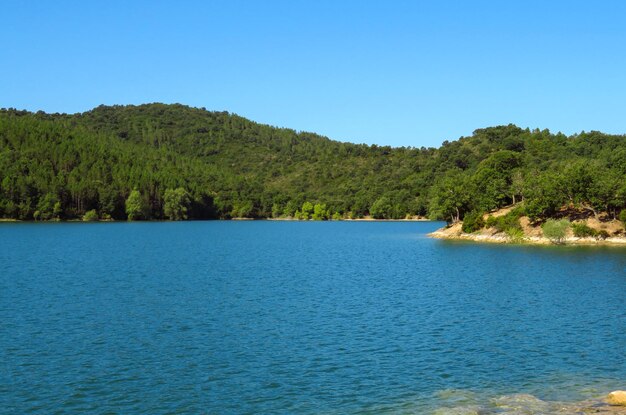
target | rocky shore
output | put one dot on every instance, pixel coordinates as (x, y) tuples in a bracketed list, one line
[(531, 233), (455, 232)]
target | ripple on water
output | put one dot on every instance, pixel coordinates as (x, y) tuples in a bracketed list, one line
[(308, 318)]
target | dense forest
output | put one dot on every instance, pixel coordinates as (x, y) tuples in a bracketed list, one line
[(160, 161)]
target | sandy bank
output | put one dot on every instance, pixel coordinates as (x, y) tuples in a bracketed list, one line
[(454, 232)]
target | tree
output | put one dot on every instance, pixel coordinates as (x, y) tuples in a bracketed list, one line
[(277, 210), (135, 207), (307, 211), (493, 179), (48, 208), (452, 196), (543, 194), (290, 208), (176, 202), (382, 208), (320, 212), (242, 209)]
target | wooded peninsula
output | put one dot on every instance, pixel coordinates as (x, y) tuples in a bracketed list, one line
[(158, 161)]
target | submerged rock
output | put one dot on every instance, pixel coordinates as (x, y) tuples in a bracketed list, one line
[(617, 398), (459, 410), (457, 397), (522, 404), (525, 404)]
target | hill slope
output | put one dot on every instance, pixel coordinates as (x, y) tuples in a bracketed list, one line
[(61, 166)]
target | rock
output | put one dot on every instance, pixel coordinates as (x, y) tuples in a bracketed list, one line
[(617, 398), (459, 410), (522, 403)]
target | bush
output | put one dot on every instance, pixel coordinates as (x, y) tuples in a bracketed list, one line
[(90, 216), (581, 230), (515, 234), (505, 222), (473, 222), (555, 230), (622, 216), (602, 235)]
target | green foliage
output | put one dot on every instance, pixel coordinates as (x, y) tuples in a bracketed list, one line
[(581, 230), (337, 216), (48, 208), (507, 222), (451, 196), (90, 216), (290, 208), (515, 234), (242, 209), (56, 166), (602, 235), (277, 210), (307, 211), (135, 208), (382, 208), (555, 230), (320, 212), (473, 221), (544, 195), (175, 203), (622, 216), (494, 179)]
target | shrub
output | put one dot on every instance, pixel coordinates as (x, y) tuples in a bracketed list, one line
[(555, 230), (622, 216), (176, 200), (602, 235), (518, 211), (472, 222), (515, 234), (90, 216), (581, 230), (505, 222)]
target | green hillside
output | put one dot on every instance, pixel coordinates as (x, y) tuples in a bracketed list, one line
[(60, 166)]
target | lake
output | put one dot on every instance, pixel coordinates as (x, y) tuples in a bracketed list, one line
[(230, 317)]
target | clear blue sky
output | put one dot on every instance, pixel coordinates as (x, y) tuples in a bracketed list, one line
[(410, 73)]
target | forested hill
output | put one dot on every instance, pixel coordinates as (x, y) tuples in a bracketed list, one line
[(171, 161)]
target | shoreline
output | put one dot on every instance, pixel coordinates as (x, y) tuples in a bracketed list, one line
[(366, 219), (454, 233)]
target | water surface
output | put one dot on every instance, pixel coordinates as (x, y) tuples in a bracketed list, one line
[(293, 317)]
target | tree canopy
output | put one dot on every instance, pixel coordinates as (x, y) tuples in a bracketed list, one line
[(158, 161)]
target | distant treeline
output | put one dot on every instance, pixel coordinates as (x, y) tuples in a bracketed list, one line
[(161, 161)]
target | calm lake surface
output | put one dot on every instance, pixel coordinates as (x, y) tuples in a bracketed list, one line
[(292, 317)]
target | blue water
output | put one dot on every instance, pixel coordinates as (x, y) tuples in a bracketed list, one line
[(292, 317)]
